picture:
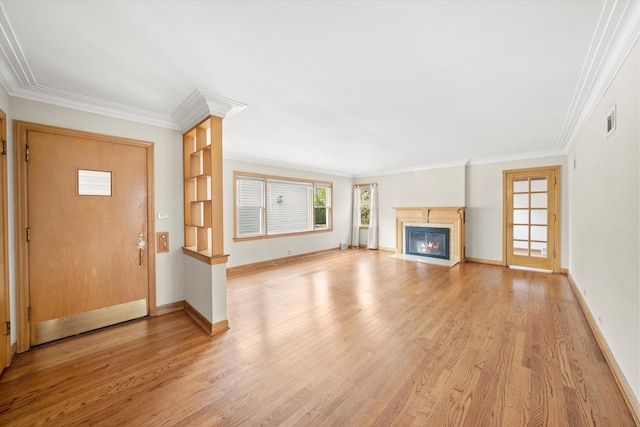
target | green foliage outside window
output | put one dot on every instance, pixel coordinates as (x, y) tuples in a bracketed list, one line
[(320, 206), (321, 217), (365, 205)]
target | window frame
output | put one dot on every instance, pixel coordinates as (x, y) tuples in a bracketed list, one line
[(265, 234), (260, 208), (360, 206), (326, 206)]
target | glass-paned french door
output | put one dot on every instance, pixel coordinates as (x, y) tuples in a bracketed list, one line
[(531, 217)]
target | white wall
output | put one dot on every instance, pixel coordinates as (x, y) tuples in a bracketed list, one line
[(605, 210), (168, 180), (251, 251), (424, 188), (205, 288), (484, 206)]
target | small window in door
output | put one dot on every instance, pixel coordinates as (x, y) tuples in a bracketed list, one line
[(94, 183)]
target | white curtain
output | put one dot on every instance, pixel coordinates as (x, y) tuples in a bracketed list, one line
[(355, 227), (373, 218)]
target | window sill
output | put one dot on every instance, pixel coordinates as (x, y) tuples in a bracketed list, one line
[(274, 236)]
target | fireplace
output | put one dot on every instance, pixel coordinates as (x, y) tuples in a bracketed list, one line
[(427, 241), (449, 220)]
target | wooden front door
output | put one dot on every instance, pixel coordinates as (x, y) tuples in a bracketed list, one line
[(87, 231), (531, 217)]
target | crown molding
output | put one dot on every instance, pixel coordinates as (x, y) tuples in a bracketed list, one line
[(616, 33), (16, 62), (468, 162), (199, 105), (18, 80), (515, 157), (284, 165), (93, 105), (453, 164), (444, 165)]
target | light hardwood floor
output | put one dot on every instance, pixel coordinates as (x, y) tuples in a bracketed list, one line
[(349, 338)]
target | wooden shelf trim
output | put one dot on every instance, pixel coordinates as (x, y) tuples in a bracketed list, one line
[(202, 151)]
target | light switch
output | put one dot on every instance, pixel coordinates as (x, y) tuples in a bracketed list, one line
[(163, 241)]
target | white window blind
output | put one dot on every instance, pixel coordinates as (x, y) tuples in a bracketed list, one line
[(249, 206), (275, 206), (288, 206)]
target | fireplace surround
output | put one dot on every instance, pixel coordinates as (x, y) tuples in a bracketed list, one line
[(449, 218)]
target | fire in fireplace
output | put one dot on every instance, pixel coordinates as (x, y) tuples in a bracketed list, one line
[(427, 241)]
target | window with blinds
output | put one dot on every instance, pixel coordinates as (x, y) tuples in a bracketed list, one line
[(288, 207), (249, 206), (270, 206)]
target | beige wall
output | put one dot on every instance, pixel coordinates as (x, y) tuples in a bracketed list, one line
[(604, 190)]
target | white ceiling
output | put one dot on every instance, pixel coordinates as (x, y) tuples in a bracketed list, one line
[(349, 87)]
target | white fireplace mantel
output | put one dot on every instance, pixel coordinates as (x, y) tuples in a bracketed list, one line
[(450, 216)]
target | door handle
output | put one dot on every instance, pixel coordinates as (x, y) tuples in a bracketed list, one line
[(141, 244)]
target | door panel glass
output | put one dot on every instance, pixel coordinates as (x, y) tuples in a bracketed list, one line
[(539, 200), (520, 248), (538, 184), (521, 201), (539, 249), (539, 232), (520, 244), (521, 232), (521, 185), (521, 216), (539, 216)]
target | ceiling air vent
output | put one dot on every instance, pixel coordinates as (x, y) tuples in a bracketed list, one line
[(611, 122)]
